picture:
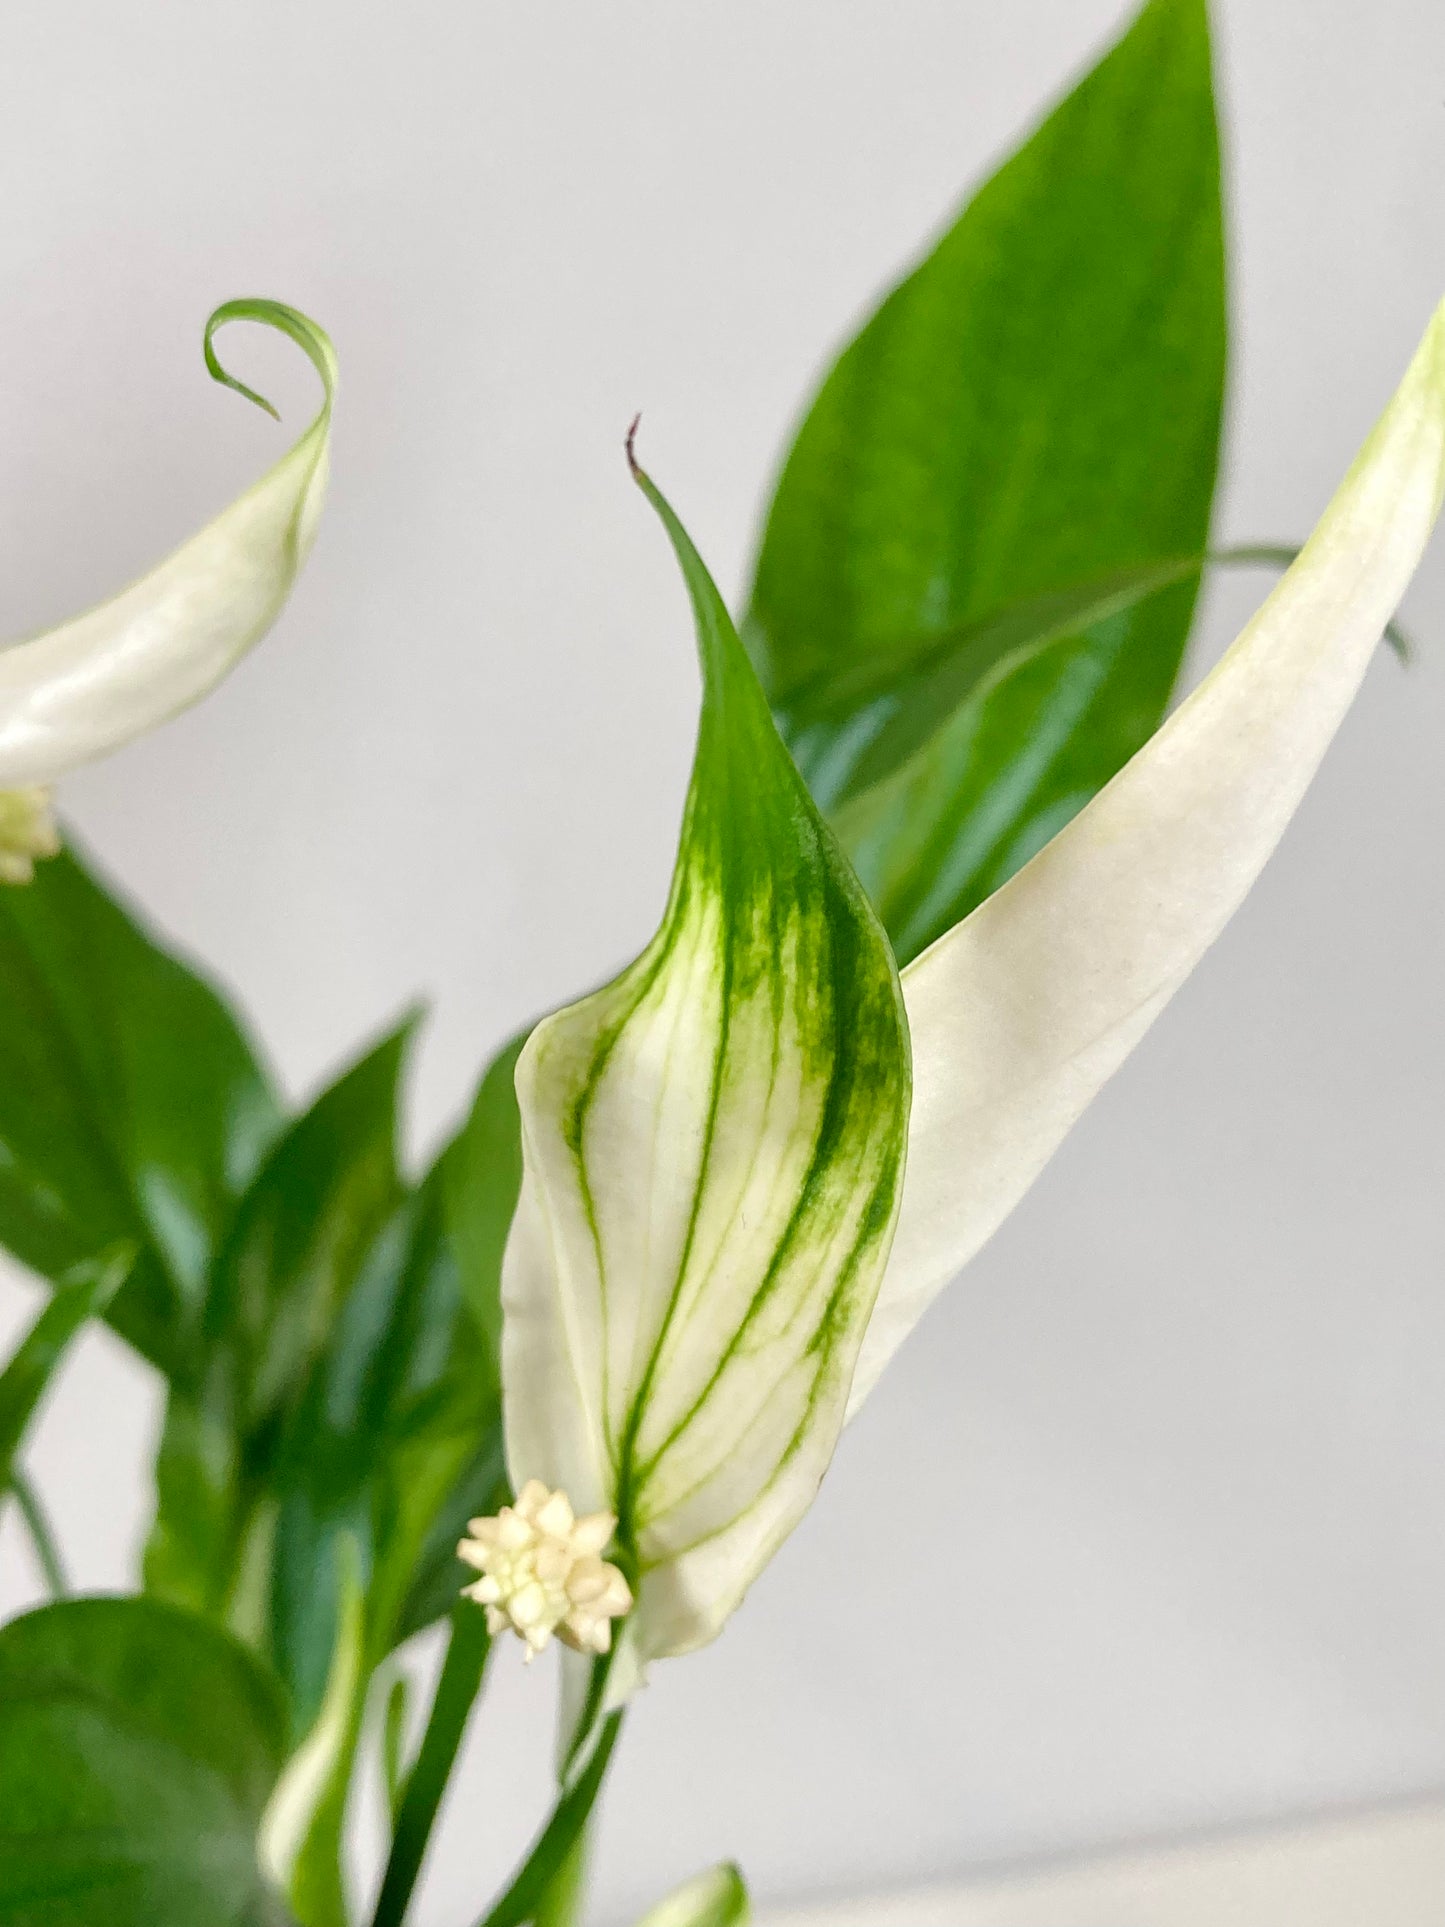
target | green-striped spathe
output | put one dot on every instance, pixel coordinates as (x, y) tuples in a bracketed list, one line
[(714, 1149)]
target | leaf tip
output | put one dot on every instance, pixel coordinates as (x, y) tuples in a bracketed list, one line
[(312, 339), (228, 311)]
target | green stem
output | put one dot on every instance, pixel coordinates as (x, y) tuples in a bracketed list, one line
[(561, 1904), (546, 1863), (41, 1535), (457, 1689)]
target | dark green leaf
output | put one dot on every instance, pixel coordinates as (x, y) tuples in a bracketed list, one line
[(83, 1296), (1036, 407), (138, 1746), (132, 1107)]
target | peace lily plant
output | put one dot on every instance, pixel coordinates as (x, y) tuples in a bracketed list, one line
[(942, 862)]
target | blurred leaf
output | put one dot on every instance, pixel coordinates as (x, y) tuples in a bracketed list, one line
[(41, 1533), (24, 1381), (132, 1107), (301, 1236), (717, 1898), (1036, 407), (400, 1403), (191, 1554), (322, 1477), (301, 1831), (138, 1747), (303, 1231), (482, 1174), (476, 1180), (393, 1745), (479, 1489), (401, 1406)]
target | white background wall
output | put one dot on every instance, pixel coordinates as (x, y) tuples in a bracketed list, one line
[(1147, 1529)]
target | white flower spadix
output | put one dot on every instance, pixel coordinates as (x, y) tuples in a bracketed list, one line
[(717, 1248), (543, 1574), (84, 688), (27, 832)]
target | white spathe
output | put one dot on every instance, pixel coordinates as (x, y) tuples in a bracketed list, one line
[(1023, 1011), (86, 687)]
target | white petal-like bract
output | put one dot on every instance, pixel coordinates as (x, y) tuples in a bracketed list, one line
[(1021, 1012), (84, 688), (712, 1151)]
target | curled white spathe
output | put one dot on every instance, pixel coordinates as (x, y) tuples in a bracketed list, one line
[(93, 683)]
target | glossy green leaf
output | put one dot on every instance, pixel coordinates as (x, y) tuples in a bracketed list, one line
[(1022, 1012), (27, 1376), (138, 1747), (713, 1150), (1036, 407), (132, 1107), (717, 1898), (82, 689), (883, 714), (299, 1239)]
